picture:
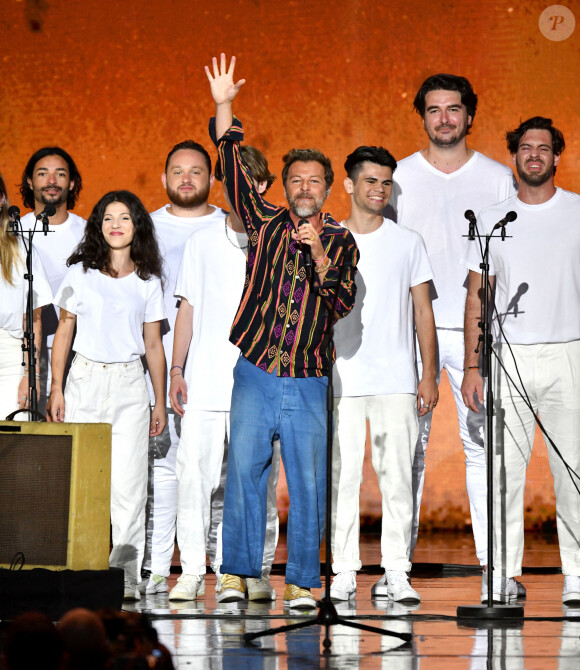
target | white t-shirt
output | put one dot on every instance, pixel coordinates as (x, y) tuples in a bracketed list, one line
[(537, 269), (54, 250), (13, 296), (57, 245), (375, 352), (172, 233), (110, 312), (434, 203), (211, 279)]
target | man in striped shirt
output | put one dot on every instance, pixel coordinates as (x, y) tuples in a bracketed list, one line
[(280, 379)]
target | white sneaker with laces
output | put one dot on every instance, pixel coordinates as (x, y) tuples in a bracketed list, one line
[(343, 585), (399, 588), (188, 587), (520, 588), (155, 584), (505, 590), (260, 589), (571, 590)]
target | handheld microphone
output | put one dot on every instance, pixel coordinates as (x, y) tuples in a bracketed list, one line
[(306, 253), (470, 216)]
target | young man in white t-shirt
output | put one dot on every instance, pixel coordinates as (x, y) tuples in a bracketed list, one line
[(375, 378), (187, 179), (209, 285), (433, 189), (51, 177), (536, 275)]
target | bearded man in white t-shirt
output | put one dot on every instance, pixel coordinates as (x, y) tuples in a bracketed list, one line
[(187, 179), (536, 323), (375, 378), (51, 177), (433, 189)]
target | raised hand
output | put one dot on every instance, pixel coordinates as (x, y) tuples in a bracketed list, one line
[(223, 88)]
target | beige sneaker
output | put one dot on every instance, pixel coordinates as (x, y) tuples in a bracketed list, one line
[(260, 589), (188, 587), (298, 598), (232, 589)]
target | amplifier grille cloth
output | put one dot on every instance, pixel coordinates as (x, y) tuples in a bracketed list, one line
[(35, 473)]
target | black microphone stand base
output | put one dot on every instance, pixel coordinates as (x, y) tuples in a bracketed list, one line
[(489, 613), (327, 616)]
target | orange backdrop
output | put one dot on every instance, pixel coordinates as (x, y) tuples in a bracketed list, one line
[(117, 84)]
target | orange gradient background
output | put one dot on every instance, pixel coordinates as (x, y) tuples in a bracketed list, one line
[(118, 84)]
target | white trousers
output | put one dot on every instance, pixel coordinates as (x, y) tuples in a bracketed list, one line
[(162, 497), (117, 394), (11, 371), (200, 487), (471, 425), (551, 377), (393, 431)]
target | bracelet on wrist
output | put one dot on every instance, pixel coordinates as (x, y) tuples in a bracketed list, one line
[(322, 260), (175, 366), (177, 374), (471, 367)]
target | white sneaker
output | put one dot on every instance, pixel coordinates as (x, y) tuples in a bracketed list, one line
[(155, 584), (520, 589), (571, 590), (505, 590), (131, 593), (343, 586), (260, 589), (399, 588), (188, 587)]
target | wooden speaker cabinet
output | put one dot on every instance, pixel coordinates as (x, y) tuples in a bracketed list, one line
[(55, 488)]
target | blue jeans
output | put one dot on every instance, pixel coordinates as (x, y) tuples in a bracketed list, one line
[(265, 406)]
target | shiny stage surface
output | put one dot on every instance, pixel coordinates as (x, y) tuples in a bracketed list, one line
[(205, 634)]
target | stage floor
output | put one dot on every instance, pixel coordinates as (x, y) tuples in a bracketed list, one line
[(205, 634)]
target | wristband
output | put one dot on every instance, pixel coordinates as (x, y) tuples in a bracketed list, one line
[(471, 367)]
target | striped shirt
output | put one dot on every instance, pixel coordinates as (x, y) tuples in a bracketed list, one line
[(281, 319)]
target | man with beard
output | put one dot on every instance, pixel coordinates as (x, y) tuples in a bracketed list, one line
[(280, 380), (51, 177), (433, 188), (538, 347), (187, 179)]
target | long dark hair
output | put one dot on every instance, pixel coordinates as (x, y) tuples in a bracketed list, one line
[(74, 176), (94, 252)]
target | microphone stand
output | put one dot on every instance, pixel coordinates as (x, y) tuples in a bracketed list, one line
[(327, 615), (491, 610), (29, 346)]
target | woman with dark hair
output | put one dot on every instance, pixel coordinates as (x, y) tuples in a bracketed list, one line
[(112, 293), (13, 296)]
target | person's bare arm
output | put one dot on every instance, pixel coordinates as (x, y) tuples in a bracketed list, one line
[(60, 350), (427, 391), (223, 91), (155, 357), (181, 341), (472, 380)]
